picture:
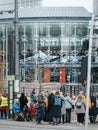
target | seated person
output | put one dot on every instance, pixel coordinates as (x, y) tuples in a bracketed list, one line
[(17, 112), (32, 110)]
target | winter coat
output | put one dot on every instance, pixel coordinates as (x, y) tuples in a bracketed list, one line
[(63, 111), (33, 97), (16, 108), (68, 102), (41, 101), (82, 109), (50, 102), (56, 109), (4, 102), (94, 109), (32, 110), (23, 101)]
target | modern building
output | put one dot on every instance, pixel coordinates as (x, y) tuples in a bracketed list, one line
[(95, 7), (9, 4), (51, 45), (30, 3)]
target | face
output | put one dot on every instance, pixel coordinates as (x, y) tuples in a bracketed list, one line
[(84, 82)]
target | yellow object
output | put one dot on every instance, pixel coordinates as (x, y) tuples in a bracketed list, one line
[(4, 102)]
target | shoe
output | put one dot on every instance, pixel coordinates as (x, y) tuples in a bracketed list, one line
[(83, 123), (38, 122), (80, 124)]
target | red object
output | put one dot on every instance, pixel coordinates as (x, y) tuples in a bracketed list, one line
[(62, 75), (32, 110), (46, 75)]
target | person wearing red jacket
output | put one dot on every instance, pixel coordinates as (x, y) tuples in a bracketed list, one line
[(32, 111)]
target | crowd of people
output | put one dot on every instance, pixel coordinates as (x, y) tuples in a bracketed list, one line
[(51, 106), (55, 107)]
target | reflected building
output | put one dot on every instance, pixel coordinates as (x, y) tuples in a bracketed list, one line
[(50, 42)]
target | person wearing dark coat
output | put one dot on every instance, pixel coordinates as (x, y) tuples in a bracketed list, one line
[(41, 109), (57, 108), (23, 105), (50, 106), (33, 96), (94, 110)]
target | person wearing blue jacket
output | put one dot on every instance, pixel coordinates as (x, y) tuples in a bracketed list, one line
[(18, 115), (16, 107)]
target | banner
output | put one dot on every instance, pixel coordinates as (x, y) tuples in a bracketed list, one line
[(46, 75), (62, 75)]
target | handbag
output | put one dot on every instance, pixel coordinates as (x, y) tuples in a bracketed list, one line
[(78, 105)]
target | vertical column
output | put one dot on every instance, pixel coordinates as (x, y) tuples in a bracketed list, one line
[(3, 39), (24, 43), (48, 35), (62, 42), (36, 52), (17, 76), (46, 75), (62, 37), (62, 75)]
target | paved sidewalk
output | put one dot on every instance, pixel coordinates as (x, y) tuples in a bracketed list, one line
[(45, 125)]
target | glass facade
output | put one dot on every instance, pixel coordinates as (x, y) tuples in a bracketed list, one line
[(52, 45)]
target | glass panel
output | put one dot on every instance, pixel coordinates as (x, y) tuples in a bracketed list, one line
[(54, 75), (50, 43), (73, 75)]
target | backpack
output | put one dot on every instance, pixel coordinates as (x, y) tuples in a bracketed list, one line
[(97, 102), (57, 101)]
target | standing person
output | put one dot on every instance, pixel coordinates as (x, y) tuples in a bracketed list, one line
[(41, 109), (94, 109), (80, 109), (0, 104), (50, 106), (57, 108), (84, 85), (33, 96), (68, 106), (23, 105), (63, 111), (46, 102), (4, 105)]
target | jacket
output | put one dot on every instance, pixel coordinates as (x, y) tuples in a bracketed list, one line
[(16, 108), (68, 102), (4, 102)]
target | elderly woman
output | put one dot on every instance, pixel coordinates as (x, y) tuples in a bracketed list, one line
[(17, 111), (16, 106), (80, 109)]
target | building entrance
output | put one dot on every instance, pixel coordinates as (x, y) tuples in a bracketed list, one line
[(73, 89)]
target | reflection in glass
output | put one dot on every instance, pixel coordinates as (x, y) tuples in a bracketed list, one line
[(52, 43)]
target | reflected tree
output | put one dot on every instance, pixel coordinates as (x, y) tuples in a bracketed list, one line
[(1, 71)]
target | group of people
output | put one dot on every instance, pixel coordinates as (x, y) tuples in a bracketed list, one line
[(54, 107), (51, 106)]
